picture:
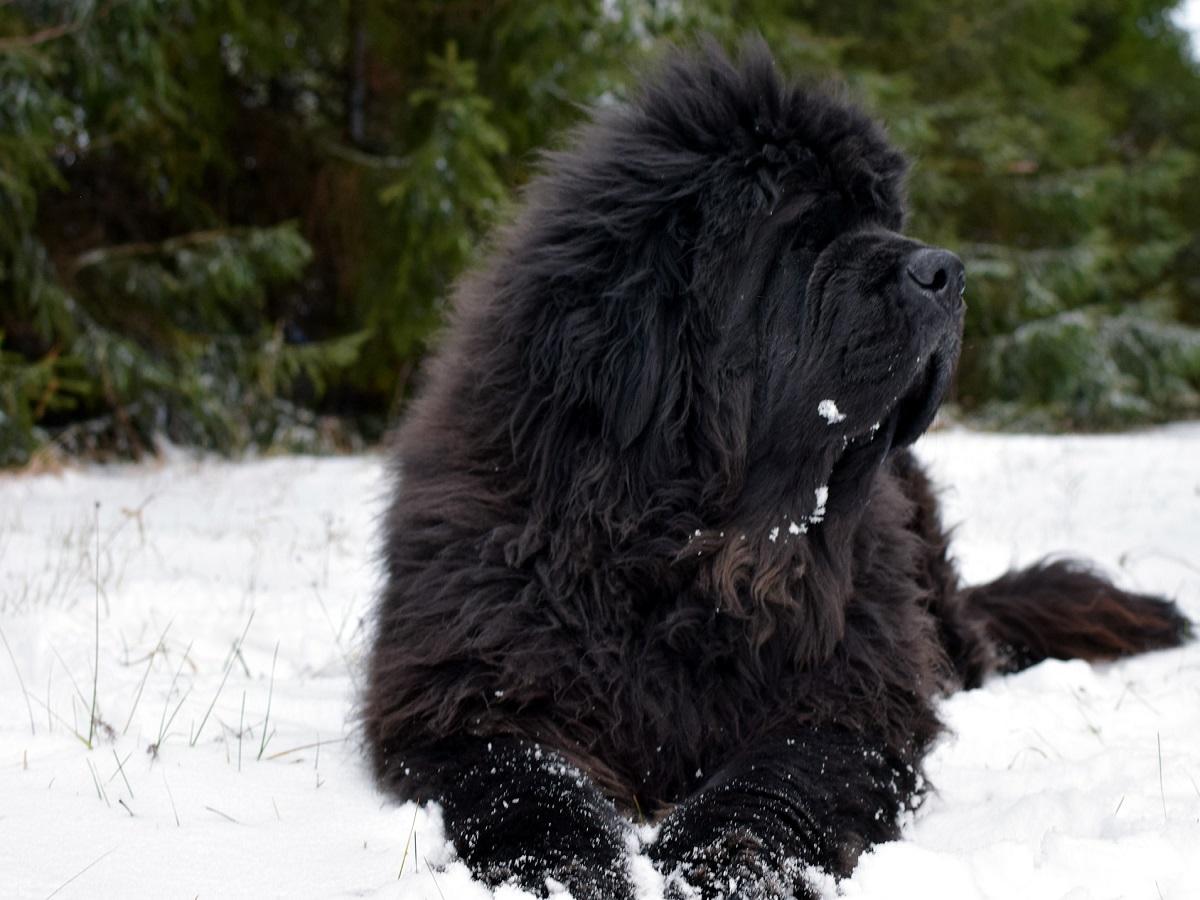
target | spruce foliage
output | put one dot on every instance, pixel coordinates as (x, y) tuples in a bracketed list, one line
[(234, 224)]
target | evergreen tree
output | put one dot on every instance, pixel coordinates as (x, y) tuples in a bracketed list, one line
[(236, 224), (143, 292)]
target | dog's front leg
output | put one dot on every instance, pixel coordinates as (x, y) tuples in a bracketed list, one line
[(520, 813), (816, 797)]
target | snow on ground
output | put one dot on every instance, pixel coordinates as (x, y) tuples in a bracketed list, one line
[(217, 773)]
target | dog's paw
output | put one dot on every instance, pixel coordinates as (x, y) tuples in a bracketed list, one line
[(580, 879), (736, 866)]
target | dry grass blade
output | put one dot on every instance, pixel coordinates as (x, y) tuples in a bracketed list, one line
[(171, 797), (262, 747), (51, 714), (1161, 791), (70, 676), (164, 723), (20, 681), (408, 843), (429, 869), (233, 654), (146, 674), (318, 744), (241, 729), (100, 792), (337, 638), (121, 769), (96, 665), (79, 873)]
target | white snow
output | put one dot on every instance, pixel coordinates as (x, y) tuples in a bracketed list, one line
[(1049, 784), (818, 513), (828, 410), (1187, 17)]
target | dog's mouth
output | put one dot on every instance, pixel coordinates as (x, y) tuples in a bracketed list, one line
[(917, 407), (913, 411)]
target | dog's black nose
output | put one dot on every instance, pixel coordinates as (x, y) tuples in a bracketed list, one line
[(938, 275)]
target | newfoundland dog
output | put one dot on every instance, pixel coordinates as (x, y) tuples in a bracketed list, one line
[(657, 549)]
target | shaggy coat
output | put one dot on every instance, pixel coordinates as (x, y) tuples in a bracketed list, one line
[(656, 547)]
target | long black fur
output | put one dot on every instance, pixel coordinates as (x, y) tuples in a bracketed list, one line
[(635, 568)]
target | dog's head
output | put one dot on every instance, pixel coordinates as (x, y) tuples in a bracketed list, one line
[(717, 317)]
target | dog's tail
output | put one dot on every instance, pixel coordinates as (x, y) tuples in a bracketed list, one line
[(1061, 609)]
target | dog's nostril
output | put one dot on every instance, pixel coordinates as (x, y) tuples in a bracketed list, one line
[(936, 273)]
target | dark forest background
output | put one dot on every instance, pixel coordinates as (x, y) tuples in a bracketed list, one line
[(233, 223)]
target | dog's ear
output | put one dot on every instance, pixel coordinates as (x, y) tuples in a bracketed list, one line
[(644, 371), (639, 389), (604, 352)]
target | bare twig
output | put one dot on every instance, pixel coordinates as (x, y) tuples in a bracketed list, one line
[(365, 160), (25, 41), (101, 255)]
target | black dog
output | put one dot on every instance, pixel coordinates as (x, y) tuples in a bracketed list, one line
[(657, 547)]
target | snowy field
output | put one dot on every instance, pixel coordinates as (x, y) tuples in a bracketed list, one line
[(226, 603)]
